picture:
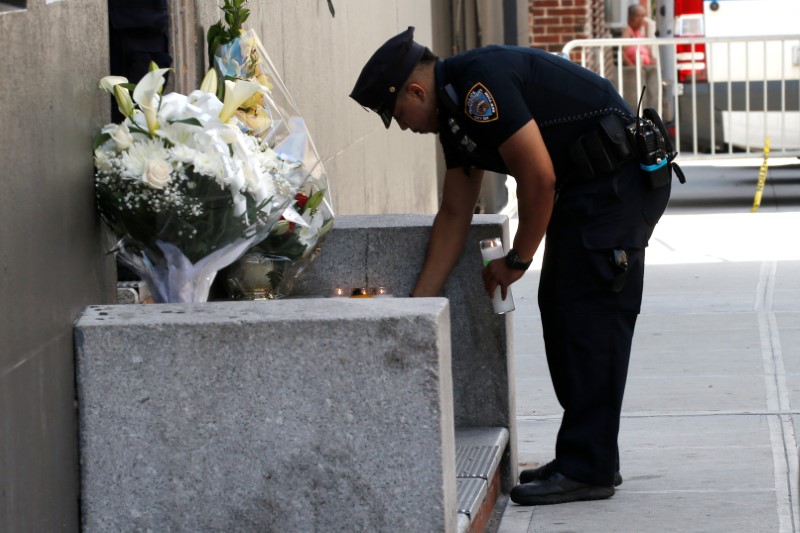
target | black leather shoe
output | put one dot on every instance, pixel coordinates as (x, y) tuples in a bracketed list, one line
[(558, 488), (537, 474), (545, 471)]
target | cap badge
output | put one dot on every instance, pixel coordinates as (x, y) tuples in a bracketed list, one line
[(480, 105)]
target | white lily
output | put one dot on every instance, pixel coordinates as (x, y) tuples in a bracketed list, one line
[(309, 235), (207, 105), (209, 84), (146, 95), (236, 93), (108, 83), (123, 98)]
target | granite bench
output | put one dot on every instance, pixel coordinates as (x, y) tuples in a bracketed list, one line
[(309, 413)]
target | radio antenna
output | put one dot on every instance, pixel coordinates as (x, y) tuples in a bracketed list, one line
[(641, 97)]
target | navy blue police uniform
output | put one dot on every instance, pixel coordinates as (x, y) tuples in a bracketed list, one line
[(589, 297), (605, 210)]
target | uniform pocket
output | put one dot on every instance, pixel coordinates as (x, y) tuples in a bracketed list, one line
[(655, 204)]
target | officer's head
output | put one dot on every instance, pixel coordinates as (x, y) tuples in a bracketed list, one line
[(386, 75)]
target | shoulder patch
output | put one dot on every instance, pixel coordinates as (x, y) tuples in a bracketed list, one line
[(480, 105)]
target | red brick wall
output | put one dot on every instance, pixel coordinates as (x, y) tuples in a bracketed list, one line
[(556, 22)]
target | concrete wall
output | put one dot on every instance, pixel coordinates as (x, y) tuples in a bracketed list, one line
[(319, 57), (51, 262)]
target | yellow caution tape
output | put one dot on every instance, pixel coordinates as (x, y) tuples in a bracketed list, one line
[(762, 178)]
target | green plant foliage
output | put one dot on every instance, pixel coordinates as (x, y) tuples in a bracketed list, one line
[(228, 27)]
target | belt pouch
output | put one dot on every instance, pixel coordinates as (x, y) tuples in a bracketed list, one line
[(597, 153), (660, 177), (615, 135)]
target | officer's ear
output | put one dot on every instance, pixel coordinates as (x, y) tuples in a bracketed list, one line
[(416, 91)]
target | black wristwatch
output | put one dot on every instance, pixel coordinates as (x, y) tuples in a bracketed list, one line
[(512, 261)]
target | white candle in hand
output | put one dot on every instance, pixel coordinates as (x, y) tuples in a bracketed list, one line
[(492, 249)]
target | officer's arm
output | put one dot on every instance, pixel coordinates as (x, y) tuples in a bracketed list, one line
[(527, 159), (450, 227)]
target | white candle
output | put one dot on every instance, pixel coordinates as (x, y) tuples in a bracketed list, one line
[(492, 249), (380, 292)]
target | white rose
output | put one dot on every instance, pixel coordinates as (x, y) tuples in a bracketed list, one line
[(157, 173), (122, 137)]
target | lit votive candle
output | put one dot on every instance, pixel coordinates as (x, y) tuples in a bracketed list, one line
[(338, 292), (380, 292), (360, 292)]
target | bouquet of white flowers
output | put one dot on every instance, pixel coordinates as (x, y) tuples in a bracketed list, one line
[(272, 116), (184, 184)]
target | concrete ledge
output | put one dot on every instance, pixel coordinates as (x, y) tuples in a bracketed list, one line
[(296, 415), (389, 250)]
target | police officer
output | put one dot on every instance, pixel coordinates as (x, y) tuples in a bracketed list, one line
[(559, 130)]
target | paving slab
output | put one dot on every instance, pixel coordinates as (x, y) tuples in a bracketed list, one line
[(682, 465), (700, 288), (712, 409), (695, 393), (681, 512)]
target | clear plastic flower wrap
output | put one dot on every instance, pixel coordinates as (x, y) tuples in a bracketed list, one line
[(185, 186), (269, 269), (272, 117)]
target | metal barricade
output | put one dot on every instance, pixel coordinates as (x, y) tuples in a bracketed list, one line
[(724, 96)]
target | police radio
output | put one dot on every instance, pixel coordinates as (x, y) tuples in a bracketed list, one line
[(654, 147)]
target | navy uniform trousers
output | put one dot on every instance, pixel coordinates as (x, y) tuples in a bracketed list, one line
[(588, 327)]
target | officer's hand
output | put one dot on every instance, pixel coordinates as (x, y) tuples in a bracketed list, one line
[(497, 273)]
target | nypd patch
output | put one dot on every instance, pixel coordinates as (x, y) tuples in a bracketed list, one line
[(480, 105)]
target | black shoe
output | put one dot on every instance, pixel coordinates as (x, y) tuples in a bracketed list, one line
[(558, 488), (545, 471), (537, 474)]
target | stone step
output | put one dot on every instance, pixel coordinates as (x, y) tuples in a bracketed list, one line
[(478, 484)]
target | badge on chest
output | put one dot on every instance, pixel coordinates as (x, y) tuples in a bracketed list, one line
[(480, 105)]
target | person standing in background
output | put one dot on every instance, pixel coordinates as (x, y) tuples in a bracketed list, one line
[(138, 34), (638, 28)]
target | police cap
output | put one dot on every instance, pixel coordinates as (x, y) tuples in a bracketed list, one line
[(386, 72)]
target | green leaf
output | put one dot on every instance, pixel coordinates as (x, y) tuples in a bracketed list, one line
[(100, 140), (315, 200), (326, 227), (234, 15), (134, 128), (213, 44), (190, 121)]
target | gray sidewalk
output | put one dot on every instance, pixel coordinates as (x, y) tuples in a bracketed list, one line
[(708, 435)]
